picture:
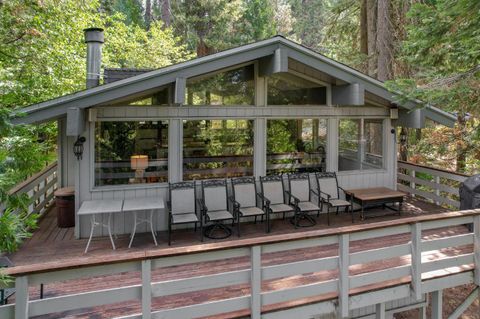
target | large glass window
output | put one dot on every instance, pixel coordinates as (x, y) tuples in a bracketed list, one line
[(360, 144), (297, 145), (234, 87), (217, 148), (131, 152), (288, 89)]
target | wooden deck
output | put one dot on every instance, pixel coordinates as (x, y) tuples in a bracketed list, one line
[(54, 246)]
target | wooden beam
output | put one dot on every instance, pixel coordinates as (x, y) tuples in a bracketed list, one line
[(411, 119), (416, 252), (476, 248), (179, 96), (276, 63), (146, 289), (75, 121), (380, 311), (349, 94)]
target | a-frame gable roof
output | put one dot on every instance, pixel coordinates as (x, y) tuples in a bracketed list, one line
[(102, 94)]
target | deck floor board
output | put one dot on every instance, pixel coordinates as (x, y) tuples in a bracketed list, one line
[(59, 245)]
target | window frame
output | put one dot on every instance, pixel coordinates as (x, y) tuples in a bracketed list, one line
[(362, 119), (91, 140)]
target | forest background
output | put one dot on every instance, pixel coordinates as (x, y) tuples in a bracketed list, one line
[(429, 50)]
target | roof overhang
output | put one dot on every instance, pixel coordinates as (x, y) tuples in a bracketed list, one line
[(277, 49)]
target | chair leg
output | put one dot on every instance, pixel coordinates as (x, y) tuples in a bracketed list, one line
[(328, 216), (201, 232), (255, 220), (337, 211), (238, 227), (195, 229), (351, 212)]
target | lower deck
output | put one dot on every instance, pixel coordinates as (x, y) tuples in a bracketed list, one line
[(52, 247)]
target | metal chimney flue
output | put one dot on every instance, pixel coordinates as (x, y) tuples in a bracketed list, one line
[(94, 39)]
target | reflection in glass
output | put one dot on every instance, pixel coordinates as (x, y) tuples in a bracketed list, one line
[(217, 149), (360, 144), (288, 89), (297, 145), (234, 87), (131, 152)]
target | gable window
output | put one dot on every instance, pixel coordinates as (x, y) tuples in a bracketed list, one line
[(234, 87), (360, 144), (296, 145), (288, 89), (131, 152), (217, 149)]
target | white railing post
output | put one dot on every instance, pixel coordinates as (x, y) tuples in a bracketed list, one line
[(21, 297), (412, 183), (380, 311), (343, 277), (255, 282), (476, 247), (416, 256), (146, 289), (437, 188), (437, 304)]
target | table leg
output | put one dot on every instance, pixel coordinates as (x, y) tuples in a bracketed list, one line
[(134, 228), (151, 227), (110, 229), (362, 213), (92, 226)]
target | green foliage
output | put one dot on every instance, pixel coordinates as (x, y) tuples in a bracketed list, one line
[(15, 227)]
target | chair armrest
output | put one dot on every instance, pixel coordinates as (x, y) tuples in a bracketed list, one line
[(314, 192), (201, 204), (236, 207), (341, 188), (264, 199), (290, 195), (327, 195)]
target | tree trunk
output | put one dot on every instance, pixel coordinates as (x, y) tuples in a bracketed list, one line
[(372, 36), (384, 41), (404, 145), (148, 13), (166, 13), (363, 28), (461, 143)]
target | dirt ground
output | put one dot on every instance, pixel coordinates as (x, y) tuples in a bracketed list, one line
[(452, 298)]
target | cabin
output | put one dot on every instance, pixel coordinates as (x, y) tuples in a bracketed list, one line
[(261, 109), (264, 108)]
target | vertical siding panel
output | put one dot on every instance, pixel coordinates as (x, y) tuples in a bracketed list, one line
[(128, 217)]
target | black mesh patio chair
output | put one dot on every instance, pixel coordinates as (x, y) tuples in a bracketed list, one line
[(182, 206), (273, 190), (246, 200), (214, 208), (329, 191), (300, 195)]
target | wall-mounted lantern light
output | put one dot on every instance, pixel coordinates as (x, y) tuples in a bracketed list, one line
[(78, 147)]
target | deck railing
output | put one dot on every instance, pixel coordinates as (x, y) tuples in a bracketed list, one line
[(39, 189), (423, 266), (437, 185)]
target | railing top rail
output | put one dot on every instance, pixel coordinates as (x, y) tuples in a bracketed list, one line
[(89, 261), (434, 169), (32, 179)]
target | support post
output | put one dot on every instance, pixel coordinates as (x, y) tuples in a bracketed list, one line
[(255, 282), (343, 277), (422, 313), (437, 188), (437, 297), (21, 297), (416, 256), (412, 183), (380, 311), (476, 248), (146, 289)]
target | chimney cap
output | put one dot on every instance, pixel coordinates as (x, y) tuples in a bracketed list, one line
[(94, 35)]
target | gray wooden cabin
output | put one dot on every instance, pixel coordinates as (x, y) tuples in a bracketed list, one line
[(221, 116)]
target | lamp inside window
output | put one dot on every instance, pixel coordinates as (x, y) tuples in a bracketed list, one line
[(139, 163)]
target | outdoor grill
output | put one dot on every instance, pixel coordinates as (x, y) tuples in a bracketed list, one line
[(470, 193)]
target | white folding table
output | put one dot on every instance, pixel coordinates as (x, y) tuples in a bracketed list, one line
[(99, 207), (135, 205)]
